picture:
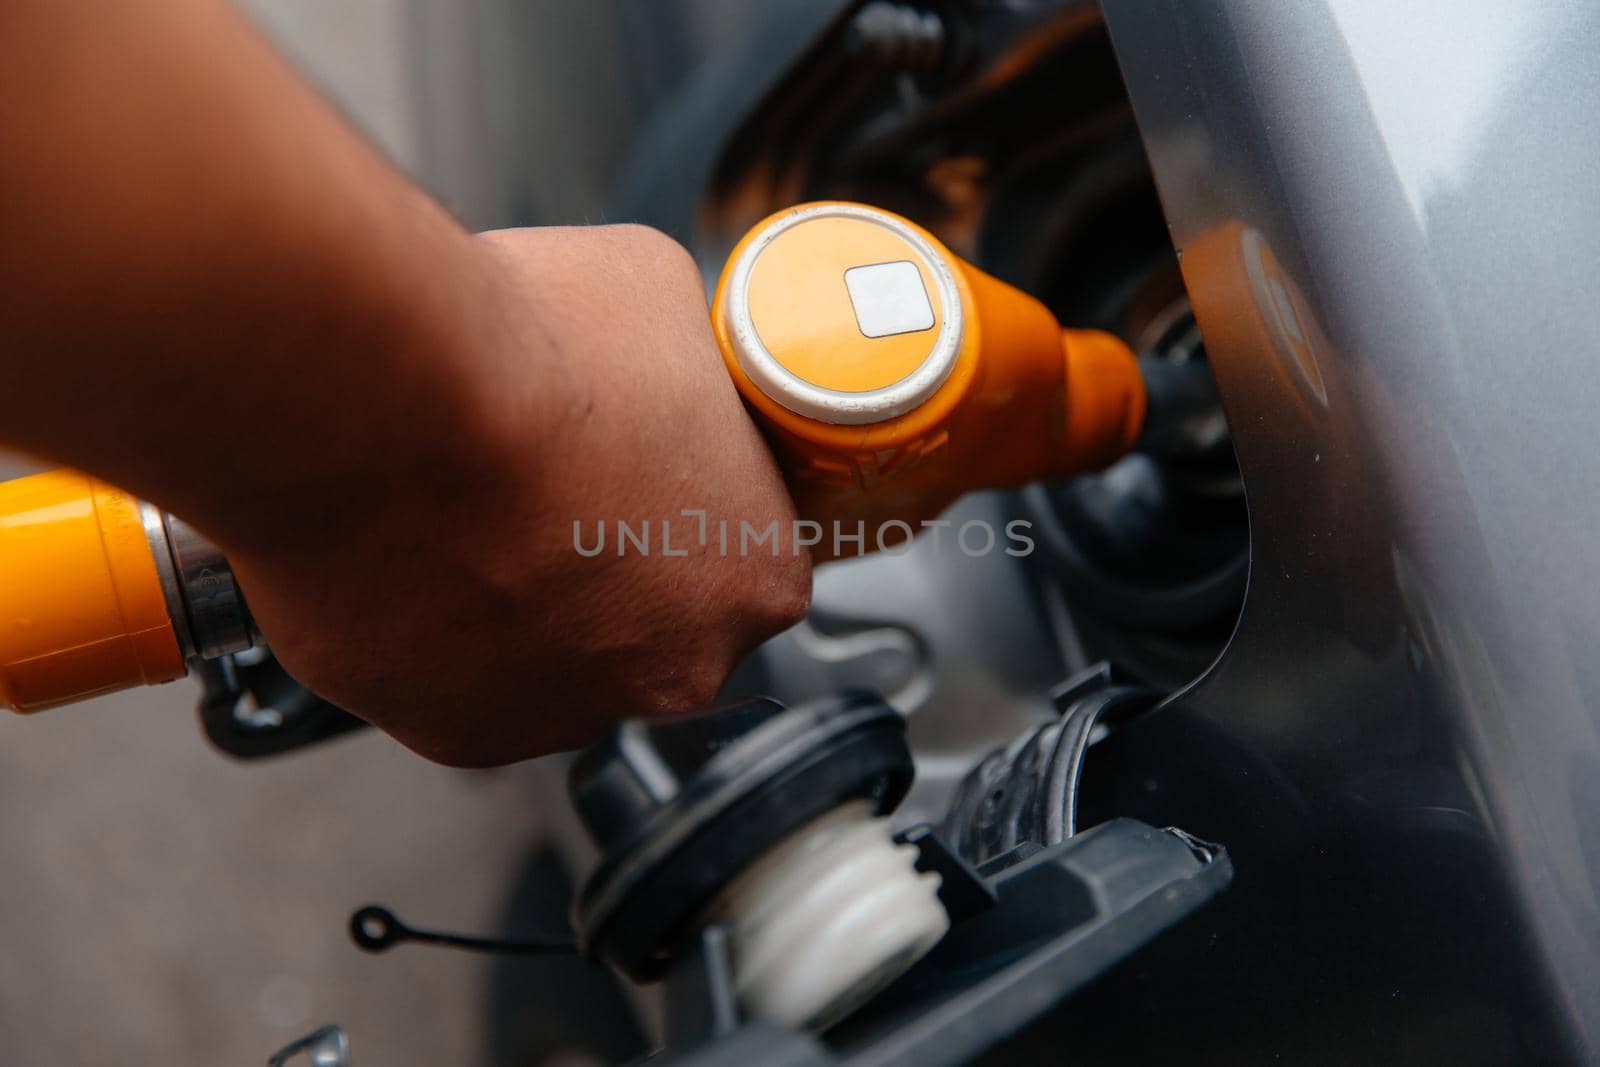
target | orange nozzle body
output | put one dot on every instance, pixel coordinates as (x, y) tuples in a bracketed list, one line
[(82, 609), (880, 362)]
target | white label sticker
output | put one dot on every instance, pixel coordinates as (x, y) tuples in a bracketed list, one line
[(889, 298)]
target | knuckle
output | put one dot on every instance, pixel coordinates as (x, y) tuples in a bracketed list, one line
[(659, 249), (781, 602), (689, 687), (792, 600)]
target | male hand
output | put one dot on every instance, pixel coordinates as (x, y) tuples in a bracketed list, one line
[(450, 605), (218, 297)]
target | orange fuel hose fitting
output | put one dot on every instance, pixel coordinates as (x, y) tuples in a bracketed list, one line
[(879, 361), (84, 610), (100, 592)]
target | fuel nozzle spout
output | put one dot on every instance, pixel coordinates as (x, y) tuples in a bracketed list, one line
[(875, 358)]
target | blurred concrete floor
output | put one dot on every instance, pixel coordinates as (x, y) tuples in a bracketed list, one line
[(161, 904)]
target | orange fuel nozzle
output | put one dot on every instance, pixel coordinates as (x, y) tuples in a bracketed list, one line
[(880, 362), (100, 591), (881, 366)]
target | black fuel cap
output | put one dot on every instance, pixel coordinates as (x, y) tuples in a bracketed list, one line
[(681, 807)]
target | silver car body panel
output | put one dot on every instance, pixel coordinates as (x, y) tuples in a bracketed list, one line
[(1386, 215)]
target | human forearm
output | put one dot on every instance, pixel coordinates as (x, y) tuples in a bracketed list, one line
[(214, 295), (212, 291)]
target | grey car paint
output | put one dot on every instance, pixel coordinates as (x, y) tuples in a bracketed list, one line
[(1386, 219)]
